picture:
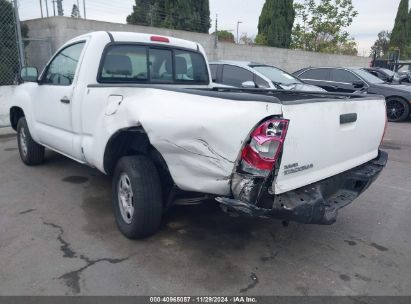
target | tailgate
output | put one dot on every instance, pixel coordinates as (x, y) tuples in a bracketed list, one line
[(327, 137)]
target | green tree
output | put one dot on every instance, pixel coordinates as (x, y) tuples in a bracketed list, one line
[(381, 45), (399, 37), (320, 26), (275, 23), (75, 12), (245, 39), (188, 15), (225, 36)]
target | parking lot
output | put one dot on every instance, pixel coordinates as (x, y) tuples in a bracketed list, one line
[(58, 237)]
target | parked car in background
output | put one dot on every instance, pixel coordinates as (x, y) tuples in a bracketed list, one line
[(350, 80), (405, 75), (389, 76), (244, 74)]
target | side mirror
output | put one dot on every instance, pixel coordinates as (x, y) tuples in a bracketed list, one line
[(358, 84), (249, 84), (29, 74)]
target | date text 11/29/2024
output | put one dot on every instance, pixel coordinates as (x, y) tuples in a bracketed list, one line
[(204, 299)]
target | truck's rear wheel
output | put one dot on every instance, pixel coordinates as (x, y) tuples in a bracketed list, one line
[(398, 109), (137, 198), (31, 153)]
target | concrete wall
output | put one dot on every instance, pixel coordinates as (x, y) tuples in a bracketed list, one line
[(60, 29), (5, 95)]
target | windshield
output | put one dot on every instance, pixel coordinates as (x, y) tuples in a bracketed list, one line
[(276, 75), (395, 76), (367, 76)]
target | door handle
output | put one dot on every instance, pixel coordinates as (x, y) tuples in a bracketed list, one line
[(348, 118), (65, 100)]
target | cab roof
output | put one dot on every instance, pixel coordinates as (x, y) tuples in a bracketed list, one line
[(143, 38)]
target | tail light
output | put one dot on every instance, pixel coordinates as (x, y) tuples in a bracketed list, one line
[(260, 155)]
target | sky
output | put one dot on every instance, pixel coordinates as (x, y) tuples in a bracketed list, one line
[(374, 15)]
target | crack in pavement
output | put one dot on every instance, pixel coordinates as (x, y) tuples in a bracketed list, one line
[(27, 211), (72, 278), (65, 246)]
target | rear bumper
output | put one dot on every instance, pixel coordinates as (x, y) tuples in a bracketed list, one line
[(317, 203)]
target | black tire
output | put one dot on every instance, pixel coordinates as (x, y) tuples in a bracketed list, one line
[(146, 197), (31, 153), (398, 109)]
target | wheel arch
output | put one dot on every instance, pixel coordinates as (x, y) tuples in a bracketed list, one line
[(397, 96), (15, 114), (134, 141)]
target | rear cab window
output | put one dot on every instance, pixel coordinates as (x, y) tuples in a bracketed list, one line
[(135, 63)]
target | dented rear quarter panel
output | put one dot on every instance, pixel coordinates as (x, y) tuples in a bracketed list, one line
[(199, 137)]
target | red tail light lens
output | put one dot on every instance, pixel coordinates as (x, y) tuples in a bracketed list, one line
[(260, 155), (160, 39)]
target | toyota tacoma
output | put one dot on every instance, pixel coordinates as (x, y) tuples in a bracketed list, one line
[(142, 109)]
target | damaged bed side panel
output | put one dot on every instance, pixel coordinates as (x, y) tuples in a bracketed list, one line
[(199, 137)]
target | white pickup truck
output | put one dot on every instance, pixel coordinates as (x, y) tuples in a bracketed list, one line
[(142, 109)]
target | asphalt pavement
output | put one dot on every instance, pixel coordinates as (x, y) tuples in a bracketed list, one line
[(58, 237)]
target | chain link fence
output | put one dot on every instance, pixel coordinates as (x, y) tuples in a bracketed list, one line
[(9, 47), (37, 51)]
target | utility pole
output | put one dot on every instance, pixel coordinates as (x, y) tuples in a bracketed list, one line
[(78, 7), (216, 32), (54, 7), (84, 8), (238, 25), (19, 38), (60, 8), (41, 9), (47, 8)]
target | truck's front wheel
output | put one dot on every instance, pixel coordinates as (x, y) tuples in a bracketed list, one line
[(137, 198), (31, 153)]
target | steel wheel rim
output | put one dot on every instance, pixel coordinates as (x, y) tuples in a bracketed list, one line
[(23, 141), (395, 109), (125, 198)]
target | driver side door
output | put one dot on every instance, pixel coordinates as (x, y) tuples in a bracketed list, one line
[(53, 99)]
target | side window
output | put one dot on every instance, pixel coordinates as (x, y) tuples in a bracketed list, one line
[(213, 70), (343, 76), (235, 76), (381, 76), (261, 83), (62, 69), (316, 74), (124, 63)]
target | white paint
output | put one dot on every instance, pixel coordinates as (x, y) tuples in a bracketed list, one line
[(316, 137), (199, 137), (6, 93)]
